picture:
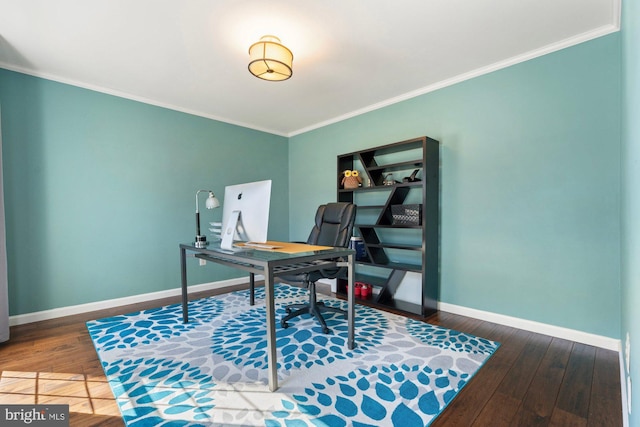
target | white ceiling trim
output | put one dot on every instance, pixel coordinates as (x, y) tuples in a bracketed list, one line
[(132, 97), (598, 32), (581, 38)]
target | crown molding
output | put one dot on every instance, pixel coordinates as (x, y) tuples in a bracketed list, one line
[(563, 44), (132, 97), (569, 42)]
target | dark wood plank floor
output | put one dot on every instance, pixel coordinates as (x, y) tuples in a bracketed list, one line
[(532, 380)]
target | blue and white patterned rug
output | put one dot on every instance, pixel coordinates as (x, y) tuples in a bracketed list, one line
[(213, 370)]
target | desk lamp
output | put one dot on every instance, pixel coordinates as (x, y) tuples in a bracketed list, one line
[(212, 202)]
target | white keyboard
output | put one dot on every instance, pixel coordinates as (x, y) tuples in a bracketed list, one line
[(261, 245)]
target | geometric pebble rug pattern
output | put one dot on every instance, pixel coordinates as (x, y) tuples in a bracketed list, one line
[(212, 371)]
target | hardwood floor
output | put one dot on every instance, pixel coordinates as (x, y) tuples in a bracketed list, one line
[(531, 380)]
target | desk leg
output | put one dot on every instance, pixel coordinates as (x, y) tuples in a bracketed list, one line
[(272, 362), (252, 288), (183, 278), (350, 306)]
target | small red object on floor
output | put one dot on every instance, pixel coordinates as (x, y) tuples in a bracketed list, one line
[(366, 290), (357, 290)]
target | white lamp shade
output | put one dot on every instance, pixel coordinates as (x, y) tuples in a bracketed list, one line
[(212, 201), (270, 60)]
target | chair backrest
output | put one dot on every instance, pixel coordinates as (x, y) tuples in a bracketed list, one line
[(334, 225)]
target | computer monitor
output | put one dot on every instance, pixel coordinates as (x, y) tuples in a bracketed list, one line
[(245, 214)]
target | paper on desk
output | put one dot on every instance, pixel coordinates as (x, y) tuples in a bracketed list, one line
[(292, 248)]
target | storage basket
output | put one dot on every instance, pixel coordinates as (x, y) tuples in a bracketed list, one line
[(406, 214)]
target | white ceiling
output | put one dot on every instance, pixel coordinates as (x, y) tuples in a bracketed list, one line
[(349, 56)]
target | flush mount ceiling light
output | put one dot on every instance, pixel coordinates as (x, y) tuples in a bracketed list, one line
[(270, 60)]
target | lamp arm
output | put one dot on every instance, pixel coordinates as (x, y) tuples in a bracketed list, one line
[(198, 192), (198, 213)]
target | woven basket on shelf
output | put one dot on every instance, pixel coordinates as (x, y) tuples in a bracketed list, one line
[(406, 214)]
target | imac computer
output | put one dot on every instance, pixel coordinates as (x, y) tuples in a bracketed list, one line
[(245, 214)]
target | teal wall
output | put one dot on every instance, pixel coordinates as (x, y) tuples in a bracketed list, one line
[(100, 190), (631, 198), (530, 184)]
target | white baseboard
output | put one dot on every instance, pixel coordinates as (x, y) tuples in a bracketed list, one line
[(554, 331), (54, 313), (527, 325), (537, 327)]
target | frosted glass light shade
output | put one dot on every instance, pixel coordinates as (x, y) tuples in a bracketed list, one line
[(270, 60), (212, 201)]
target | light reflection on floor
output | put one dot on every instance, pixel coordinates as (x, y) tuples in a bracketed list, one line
[(83, 393)]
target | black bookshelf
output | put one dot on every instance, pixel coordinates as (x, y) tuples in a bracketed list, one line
[(395, 245)]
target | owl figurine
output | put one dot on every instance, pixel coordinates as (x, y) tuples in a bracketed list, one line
[(351, 179)]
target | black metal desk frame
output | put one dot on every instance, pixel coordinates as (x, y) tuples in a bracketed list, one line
[(271, 264)]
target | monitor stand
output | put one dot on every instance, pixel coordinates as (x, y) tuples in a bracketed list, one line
[(229, 232)]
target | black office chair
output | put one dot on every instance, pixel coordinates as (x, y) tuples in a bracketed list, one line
[(333, 227)]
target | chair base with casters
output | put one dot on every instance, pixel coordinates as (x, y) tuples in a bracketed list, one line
[(333, 227), (314, 307)]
